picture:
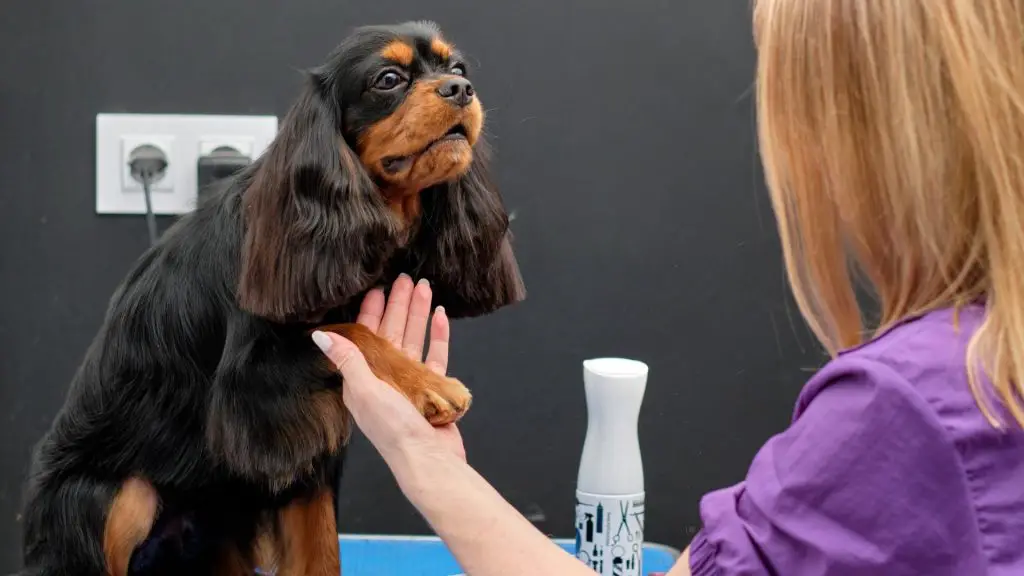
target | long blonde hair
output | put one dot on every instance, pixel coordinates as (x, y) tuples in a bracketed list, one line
[(892, 136)]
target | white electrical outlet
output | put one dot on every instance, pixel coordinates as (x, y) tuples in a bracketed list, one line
[(183, 138), (165, 143)]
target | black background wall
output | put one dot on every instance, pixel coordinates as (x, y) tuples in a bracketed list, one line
[(625, 140)]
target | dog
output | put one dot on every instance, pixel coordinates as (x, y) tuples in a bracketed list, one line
[(202, 430)]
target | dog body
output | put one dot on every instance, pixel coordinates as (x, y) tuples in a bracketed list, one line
[(202, 432)]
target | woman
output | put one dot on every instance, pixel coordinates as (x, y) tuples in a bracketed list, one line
[(892, 136)]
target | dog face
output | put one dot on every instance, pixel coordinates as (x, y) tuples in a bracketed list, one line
[(380, 167), (414, 115)]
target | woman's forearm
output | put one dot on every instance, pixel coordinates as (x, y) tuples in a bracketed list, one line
[(682, 565), (483, 531)]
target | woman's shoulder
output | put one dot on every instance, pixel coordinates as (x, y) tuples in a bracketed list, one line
[(923, 359), (919, 345)]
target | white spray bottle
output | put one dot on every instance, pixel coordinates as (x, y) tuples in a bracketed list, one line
[(610, 496)]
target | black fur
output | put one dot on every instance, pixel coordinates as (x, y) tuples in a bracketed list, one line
[(200, 377)]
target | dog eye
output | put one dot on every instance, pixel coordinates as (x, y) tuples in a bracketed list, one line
[(388, 80), (459, 70)]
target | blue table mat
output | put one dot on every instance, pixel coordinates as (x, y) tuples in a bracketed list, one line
[(372, 555)]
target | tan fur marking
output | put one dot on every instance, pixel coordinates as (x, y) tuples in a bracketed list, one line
[(441, 48), (129, 521), (308, 538), (399, 52)]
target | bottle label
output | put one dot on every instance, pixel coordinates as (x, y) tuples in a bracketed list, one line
[(610, 533)]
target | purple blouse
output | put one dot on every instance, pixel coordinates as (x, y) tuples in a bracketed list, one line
[(889, 468)]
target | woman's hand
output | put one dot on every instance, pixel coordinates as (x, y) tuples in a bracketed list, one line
[(403, 321), (384, 415)]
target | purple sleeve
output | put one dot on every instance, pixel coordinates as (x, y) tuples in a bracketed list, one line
[(865, 481)]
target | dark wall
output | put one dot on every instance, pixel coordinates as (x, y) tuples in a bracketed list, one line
[(625, 140)]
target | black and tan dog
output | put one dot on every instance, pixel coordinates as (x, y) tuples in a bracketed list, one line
[(201, 432)]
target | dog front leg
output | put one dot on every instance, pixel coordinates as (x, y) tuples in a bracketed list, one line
[(275, 411)]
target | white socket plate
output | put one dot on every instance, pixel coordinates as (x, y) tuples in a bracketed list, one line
[(183, 138)]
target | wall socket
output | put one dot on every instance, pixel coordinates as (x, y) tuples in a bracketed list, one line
[(183, 138)]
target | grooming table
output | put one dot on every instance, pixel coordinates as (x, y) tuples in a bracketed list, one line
[(373, 555)]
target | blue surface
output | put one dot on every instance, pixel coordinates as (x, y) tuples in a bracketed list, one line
[(363, 555)]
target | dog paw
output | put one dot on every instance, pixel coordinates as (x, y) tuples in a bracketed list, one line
[(442, 400)]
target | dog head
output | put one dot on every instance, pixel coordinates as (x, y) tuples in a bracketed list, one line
[(379, 167)]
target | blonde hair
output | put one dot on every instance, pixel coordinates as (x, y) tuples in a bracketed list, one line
[(892, 136)]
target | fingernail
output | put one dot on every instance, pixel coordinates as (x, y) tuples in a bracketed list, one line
[(322, 341), (440, 310), (424, 282)]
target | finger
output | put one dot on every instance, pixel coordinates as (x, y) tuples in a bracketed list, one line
[(345, 356), (416, 325), (392, 325), (437, 353), (372, 309)]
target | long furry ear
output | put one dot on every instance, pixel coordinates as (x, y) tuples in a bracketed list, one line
[(317, 232), (464, 246)]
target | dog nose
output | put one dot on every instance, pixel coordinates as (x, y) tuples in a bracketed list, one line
[(458, 91)]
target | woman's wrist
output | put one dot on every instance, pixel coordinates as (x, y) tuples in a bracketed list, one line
[(419, 465)]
